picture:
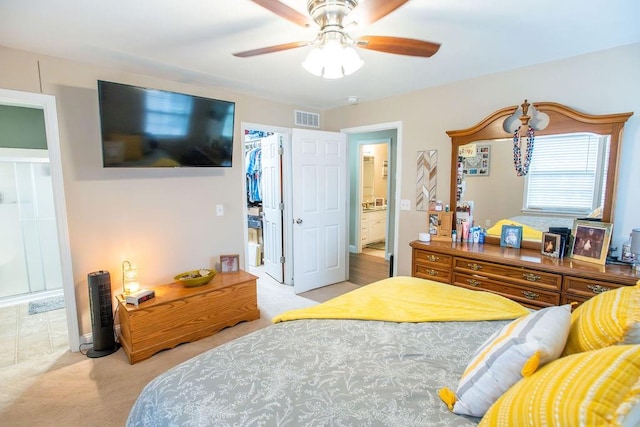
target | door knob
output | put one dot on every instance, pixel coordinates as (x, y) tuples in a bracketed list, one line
[(298, 221)]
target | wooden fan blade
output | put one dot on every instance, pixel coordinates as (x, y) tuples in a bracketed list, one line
[(285, 11), (271, 49), (398, 45), (372, 10)]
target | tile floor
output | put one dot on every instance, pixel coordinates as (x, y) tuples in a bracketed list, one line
[(25, 336)]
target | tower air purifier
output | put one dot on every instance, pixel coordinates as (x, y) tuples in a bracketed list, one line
[(104, 342)]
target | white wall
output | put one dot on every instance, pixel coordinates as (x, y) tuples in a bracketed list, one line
[(599, 83)]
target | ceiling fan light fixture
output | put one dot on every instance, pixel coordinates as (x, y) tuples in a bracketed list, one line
[(351, 62), (333, 60), (314, 62)]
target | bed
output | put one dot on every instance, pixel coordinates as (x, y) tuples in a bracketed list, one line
[(378, 356)]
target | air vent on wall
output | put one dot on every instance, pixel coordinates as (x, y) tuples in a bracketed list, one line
[(304, 118)]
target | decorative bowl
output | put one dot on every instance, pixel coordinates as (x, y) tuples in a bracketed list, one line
[(195, 277)]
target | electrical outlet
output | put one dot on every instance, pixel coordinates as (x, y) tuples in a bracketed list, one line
[(487, 223), (405, 205), (219, 210)]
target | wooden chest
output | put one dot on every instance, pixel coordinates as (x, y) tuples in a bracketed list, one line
[(179, 314)]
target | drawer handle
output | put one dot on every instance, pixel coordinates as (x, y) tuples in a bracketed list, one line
[(475, 267), (474, 282), (432, 272), (530, 295), (433, 258), (597, 289), (531, 277)]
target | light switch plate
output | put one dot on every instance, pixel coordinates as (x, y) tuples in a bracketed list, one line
[(405, 205), (219, 210)]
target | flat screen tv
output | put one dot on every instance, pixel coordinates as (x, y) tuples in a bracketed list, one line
[(144, 127)]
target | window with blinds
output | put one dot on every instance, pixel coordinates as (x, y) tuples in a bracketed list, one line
[(167, 114), (567, 174)]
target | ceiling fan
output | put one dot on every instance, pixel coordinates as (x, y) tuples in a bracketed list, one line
[(334, 18)]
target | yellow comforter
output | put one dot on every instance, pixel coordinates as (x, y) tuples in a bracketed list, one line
[(409, 299), (528, 233)]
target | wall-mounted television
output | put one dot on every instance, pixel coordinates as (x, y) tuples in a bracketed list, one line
[(143, 127)]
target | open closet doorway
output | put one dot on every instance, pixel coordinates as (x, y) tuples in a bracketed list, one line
[(264, 170), (390, 131)]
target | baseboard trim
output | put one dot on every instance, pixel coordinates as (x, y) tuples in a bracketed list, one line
[(87, 339)]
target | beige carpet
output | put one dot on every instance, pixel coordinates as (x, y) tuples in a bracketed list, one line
[(70, 389)]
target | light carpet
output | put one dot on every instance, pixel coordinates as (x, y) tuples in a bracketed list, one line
[(65, 389)]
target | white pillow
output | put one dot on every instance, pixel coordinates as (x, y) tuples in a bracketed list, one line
[(513, 352)]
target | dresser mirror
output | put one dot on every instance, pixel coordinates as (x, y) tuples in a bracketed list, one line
[(500, 193)]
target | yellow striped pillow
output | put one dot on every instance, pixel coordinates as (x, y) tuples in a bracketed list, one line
[(609, 318), (593, 388), (514, 351)]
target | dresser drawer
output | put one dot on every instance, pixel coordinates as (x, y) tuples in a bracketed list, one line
[(432, 259), (426, 272), (517, 275), (586, 287), (525, 295)]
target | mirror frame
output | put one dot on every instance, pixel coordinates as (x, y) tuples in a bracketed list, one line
[(562, 119)]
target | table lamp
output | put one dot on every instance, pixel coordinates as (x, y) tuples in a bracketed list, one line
[(129, 278)]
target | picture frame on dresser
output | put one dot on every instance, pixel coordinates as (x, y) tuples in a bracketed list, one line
[(229, 263), (590, 241), (511, 236), (551, 245)]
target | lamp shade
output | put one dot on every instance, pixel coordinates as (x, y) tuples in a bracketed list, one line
[(333, 60), (130, 282), (512, 123), (538, 120)]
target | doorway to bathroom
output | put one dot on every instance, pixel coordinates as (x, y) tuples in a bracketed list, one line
[(374, 191), (37, 293)]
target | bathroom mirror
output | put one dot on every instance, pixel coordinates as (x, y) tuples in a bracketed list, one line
[(368, 181), (562, 120)]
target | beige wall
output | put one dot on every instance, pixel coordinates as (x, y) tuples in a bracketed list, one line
[(599, 83), (163, 220)]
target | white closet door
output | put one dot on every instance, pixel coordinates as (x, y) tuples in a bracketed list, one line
[(271, 206)]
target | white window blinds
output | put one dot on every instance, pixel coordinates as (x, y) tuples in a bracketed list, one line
[(567, 174)]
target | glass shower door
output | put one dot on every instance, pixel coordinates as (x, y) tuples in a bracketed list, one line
[(29, 255)]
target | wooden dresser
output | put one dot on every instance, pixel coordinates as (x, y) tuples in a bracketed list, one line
[(523, 275), (179, 314)]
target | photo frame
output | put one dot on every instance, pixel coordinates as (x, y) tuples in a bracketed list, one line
[(229, 263), (511, 236), (590, 241), (551, 245)]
